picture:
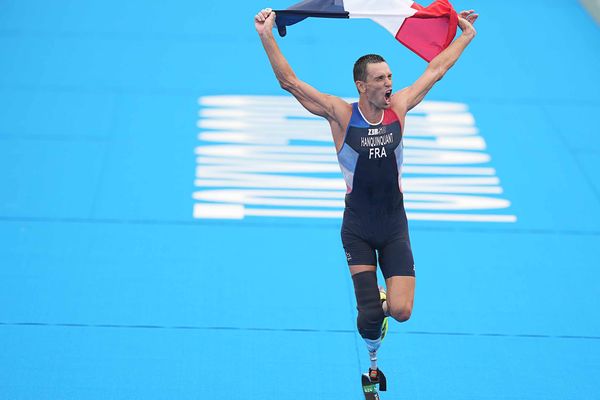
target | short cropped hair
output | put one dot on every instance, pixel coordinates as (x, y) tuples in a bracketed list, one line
[(360, 66)]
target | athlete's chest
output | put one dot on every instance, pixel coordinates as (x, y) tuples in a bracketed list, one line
[(375, 141)]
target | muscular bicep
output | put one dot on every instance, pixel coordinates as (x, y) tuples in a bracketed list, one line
[(315, 102), (334, 109)]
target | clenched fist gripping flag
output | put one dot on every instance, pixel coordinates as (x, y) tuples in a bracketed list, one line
[(425, 30)]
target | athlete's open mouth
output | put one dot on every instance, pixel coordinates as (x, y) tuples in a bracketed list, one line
[(388, 94)]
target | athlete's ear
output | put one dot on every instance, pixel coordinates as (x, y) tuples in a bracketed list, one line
[(361, 86)]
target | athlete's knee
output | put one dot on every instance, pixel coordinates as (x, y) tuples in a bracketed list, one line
[(369, 320), (370, 313), (401, 312)]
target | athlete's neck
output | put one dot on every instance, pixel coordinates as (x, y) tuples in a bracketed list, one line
[(370, 113)]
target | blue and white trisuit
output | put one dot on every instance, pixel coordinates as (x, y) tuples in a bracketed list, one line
[(375, 222)]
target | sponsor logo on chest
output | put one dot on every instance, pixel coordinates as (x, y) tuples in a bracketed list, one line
[(377, 131)]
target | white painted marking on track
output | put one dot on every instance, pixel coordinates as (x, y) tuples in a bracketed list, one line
[(266, 156)]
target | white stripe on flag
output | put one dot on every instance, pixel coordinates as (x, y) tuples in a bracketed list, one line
[(388, 13)]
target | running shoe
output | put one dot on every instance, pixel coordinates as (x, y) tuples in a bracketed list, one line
[(384, 325)]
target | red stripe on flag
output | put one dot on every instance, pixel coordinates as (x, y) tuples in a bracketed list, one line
[(430, 30)]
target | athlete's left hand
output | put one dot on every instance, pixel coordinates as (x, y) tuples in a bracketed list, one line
[(466, 19)]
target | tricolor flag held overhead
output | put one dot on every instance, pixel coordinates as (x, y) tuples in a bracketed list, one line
[(425, 30)]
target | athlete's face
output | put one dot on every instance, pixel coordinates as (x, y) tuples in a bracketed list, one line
[(378, 86)]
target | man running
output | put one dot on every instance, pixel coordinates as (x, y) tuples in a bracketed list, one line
[(368, 140)]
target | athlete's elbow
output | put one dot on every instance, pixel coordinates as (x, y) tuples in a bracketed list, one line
[(437, 71), (288, 84), (442, 72)]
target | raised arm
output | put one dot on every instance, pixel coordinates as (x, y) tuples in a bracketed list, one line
[(409, 97), (330, 107)]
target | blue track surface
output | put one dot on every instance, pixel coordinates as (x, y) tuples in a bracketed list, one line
[(110, 288)]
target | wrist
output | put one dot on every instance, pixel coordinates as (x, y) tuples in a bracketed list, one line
[(266, 33), (469, 33)]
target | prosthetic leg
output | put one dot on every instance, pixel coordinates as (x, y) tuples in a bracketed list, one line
[(372, 325), (369, 384)]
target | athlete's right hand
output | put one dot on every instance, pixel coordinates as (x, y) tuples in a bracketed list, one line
[(264, 20)]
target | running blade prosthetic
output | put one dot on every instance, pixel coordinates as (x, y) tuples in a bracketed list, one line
[(370, 382)]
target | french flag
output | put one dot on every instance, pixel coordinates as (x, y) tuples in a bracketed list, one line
[(424, 30)]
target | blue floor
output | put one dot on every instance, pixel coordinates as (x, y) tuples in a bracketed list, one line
[(112, 286)]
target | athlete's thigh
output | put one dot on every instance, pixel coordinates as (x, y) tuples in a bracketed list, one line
[(396, 258), (401, 292), (359, 252)]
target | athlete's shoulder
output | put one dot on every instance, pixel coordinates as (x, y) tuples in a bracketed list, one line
[(341, 106), (399, 103), (342, 112), (356, 118)]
